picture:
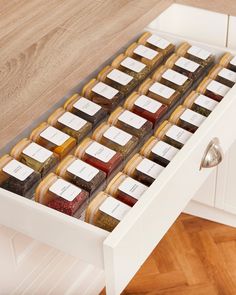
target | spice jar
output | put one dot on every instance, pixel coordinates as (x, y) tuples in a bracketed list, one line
[(70, 124), (185, 66), (130, 122), (106, 96), (53, 139), (99, 156), (200, 103), (143, 169), (157, 43), (148, 56), (116, 139), (186, 118), (105, 211), (223, 75), (34, 156), (126, 189), (81, 174), (145, 107), (86, 109), (196, 54), (159, 92), (228, 61), (131, 66), (117, 79), (213, 89), (158, 151), (172, 79), (172, 134), (59, 194), (17, 177)]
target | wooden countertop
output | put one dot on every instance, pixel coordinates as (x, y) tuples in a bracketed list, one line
[(47, 47)]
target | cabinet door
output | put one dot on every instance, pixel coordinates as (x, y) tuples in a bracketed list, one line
[(226, 185)]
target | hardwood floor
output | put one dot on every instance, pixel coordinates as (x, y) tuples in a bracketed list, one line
[(196, 257)]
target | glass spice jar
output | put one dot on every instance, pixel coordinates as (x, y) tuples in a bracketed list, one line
[(185, 66), (223, 75), (172, 134), (16, 177), (81, 174), (117, 79), (148, 56), (195, 53), (157, 43), (158, 151), (228, 61), (70, 124), (131, 66), (143, 169), (53, 139), (106, 96), (186, 118), (200, 103), (99, 156), (213, 89), (86, 109), (116, 139), (130, 122), (172, 79), (106, 212), (34, 156), (61, 195), (126, 189), (159, 92), (145, 107)]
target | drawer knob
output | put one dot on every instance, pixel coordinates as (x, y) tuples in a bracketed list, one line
[(213, 154)]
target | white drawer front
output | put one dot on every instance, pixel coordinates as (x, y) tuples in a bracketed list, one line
[(133, 240)]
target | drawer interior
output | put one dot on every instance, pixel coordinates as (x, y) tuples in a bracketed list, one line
[(143, 227)]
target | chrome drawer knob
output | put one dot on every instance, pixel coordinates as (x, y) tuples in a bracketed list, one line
[(213, 154)]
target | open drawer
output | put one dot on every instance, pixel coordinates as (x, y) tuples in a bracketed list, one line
[(123, 251)]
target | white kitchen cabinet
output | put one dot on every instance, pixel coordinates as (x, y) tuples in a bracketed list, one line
[(118, 255)]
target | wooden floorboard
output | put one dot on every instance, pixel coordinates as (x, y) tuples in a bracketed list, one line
[(195, 257)]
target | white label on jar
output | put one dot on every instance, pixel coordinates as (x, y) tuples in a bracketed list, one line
[(54, 135), (192, 117), (132, 119), (178, 134), (17, 170), (119, 77), (37, 152), (105, 90), (158, 42), (87, 106), (65, 190), (164, 150), (145, 52), (149, 168), (218, 88), (133, 64), (114, 208), (132, 188), (187, 64), (199, 52), (100, 152), (228, 75), (148, 104), (175, 77), (72, 121), (117, 135), (82, 170), (162, 90), (233, 61), (206, 102)]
